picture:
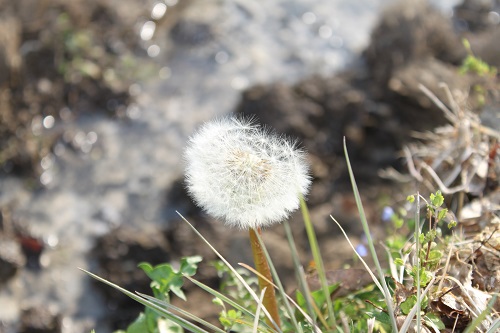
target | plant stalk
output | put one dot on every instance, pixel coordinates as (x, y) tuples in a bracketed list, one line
[(262, 267)]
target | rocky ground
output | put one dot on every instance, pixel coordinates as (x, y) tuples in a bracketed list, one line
[(60, 62)]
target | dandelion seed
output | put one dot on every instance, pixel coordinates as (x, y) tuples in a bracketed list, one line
[(244, 173)]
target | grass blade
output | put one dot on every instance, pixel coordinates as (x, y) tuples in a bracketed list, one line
[(221, 296), (366, 229), (161, 311), (185, 313), (257, 312), (374, 278), (417, 251), (482, 316), (299, 270), (494, 326), (306, 316), (238, 276), (313, 242)]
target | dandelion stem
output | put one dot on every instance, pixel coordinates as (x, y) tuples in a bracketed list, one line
[(262, 267)]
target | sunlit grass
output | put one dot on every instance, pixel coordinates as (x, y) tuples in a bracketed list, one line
[(371, 309)]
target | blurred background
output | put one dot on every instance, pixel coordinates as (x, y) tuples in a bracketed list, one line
[(98, 97)]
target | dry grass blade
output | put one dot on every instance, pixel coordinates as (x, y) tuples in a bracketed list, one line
[(257, 312), (374, 278)]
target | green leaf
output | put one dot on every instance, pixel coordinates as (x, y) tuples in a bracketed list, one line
[(442, 214), (430, 236), (435, 255), (168, 326), (139, 325), (408, 304), (437, 199), (399, 262), (228, 319), (318, 296), (218, 301), (225, 322), (382, 317), (452, 224), (146, 267), (175, 285), (397, 220), (410, 198), (165, 278), (425, 277), (189, 265), (161, 275), (434, 320), (421, 238)]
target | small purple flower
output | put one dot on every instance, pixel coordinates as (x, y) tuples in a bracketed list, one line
[(387, 214), (362, 250)]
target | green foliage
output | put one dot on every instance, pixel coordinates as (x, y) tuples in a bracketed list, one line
[(232, 287), (437, 199), (397, 220), (317, 297), (228, 319), (425, 276), (472, 64), (410, 302), (236, 295), (433, 320), (164, 280)]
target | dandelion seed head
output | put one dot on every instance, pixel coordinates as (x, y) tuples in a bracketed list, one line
[(244, 173)]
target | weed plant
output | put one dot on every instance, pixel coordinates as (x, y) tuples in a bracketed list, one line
[(415, 293), (399, 300)]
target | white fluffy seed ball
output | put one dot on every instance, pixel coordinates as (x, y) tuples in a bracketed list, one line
[(244, 174)]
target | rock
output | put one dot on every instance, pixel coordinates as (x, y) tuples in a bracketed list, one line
[(476, 15), (11, 258), (39, 319), (191, 33), (485, 46), (412, 105), (407, 31)]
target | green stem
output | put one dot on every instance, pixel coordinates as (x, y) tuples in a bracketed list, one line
[(262, 267)]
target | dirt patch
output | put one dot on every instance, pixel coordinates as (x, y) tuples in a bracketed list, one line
[(58, 60)]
